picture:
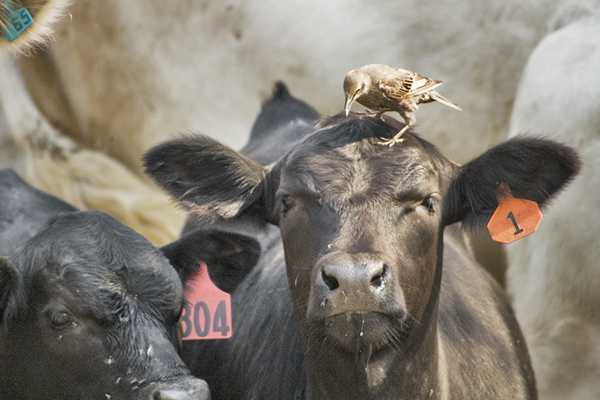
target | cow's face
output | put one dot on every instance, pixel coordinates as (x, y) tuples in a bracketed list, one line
[(361, 225), (94, 316)]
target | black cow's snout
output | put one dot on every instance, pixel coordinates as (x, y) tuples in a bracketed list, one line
[(365, 275), (182, 389), (353, 283)]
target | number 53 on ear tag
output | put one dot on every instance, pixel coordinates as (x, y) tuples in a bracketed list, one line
[(207, 312), (514, 218), (16, 21)]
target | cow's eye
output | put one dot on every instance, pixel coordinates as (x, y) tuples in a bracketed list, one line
[(430, 203), (287, 202), (59, 319)]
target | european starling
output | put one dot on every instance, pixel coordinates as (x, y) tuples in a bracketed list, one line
[(383, 88)]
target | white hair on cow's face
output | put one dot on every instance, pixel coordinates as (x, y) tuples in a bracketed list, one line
[(214, 210)]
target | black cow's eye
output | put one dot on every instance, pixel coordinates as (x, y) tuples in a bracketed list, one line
[(287, 202), (59, 319), (430, 204)]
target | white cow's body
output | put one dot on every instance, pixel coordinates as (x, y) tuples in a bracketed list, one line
[(554, 275), (130, 73), (154, 69)]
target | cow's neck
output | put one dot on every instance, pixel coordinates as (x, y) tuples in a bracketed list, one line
[(409, 371)]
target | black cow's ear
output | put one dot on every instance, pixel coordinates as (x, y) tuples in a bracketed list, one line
[(283, 121), (205, 176), (229, 256), (533, 168), (10, 283)]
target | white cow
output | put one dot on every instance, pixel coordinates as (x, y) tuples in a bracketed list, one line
[(133, 72), (88, 179), (39, 149), (554, 275), (122, 75)]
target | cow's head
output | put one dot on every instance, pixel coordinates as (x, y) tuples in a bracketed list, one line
[(89, 309), (361, 223)]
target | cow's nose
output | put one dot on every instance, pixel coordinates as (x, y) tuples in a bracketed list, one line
[(361, 276), (353, 283), (183, 389), (175, 395)]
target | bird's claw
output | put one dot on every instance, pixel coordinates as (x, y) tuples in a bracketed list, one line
[(397, 137), (391, 142)]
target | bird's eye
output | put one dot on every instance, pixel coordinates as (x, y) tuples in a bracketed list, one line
[(59, 319)]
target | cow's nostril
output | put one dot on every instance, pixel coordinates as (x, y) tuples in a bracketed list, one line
[(331, 282), (378, 279)]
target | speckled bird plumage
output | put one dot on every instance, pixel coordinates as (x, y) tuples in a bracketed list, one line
[(383, 88)]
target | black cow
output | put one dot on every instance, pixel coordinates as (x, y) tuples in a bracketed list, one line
[(23, 210), (362, 228), (89, 308), (283, 122)]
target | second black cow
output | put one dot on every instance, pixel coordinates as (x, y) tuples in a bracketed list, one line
[(89, 308)]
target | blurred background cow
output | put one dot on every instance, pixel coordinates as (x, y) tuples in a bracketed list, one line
[(121, 75)]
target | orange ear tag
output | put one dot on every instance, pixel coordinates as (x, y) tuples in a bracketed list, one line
[(207, 312), (514, 218)]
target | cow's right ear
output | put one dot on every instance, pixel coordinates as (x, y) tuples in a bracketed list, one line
[(533, 168), (206, 177), (10, 283), (229, 256)]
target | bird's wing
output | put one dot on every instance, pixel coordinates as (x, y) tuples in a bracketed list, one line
[(403, 84), (423, 85)]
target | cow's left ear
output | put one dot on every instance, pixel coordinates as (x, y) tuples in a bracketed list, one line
[(206, 177), (229, 256), (533, 168)]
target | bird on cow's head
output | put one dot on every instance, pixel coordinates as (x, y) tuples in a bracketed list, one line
[(383, 88)]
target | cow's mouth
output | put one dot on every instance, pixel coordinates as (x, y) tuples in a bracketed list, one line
[(358, 331)]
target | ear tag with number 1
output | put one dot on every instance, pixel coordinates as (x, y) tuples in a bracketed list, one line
[(514, 218), (207, 312)]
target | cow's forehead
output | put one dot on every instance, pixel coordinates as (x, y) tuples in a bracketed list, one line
[(333, 166), (100, 261)]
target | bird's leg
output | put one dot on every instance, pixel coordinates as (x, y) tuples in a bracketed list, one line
[(397, 137)]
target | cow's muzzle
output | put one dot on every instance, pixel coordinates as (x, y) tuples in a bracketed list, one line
[(354, 283)]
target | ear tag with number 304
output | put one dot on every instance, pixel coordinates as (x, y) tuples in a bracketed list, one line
[(207, 312), (514, 218)]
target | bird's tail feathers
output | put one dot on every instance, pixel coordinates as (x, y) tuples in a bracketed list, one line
[(438, 97)]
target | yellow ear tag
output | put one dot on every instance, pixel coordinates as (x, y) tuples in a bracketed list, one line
[(514, 218)]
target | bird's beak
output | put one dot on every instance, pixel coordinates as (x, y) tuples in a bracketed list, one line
[(348, 104)]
